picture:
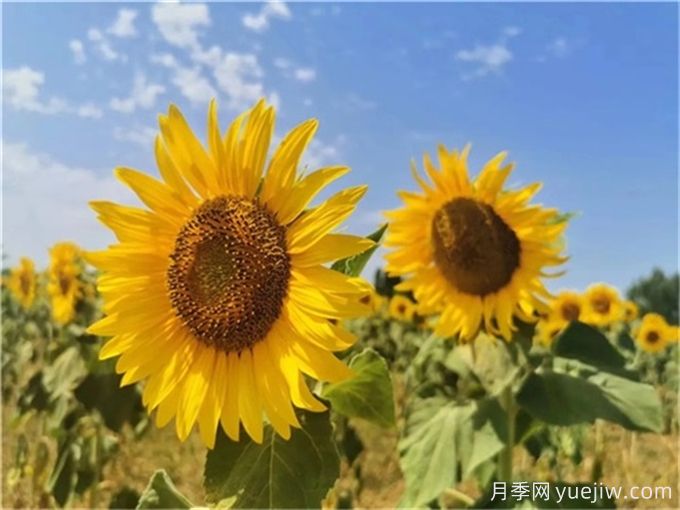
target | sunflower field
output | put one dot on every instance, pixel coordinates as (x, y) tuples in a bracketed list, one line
[(227, 352)]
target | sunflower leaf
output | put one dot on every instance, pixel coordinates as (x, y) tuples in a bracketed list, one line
[(368, 394), (444, 441), (162, 493), (354, 265), (279, 473), (572, 398), (585, 343)]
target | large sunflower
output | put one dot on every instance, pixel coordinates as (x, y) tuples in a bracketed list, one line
[(217, 294), (64, 286), (653, 334), (472, 251), (22, 282), (602, 305)]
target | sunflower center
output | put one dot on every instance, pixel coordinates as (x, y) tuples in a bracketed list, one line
[(64, 282), (570, 311), (229, 273), (652, 337), (473, 247), (601, 305), (25, 283)]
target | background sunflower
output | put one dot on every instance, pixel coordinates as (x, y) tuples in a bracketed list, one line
[(471, 251)]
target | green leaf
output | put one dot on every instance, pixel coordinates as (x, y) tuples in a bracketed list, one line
[(443, 439), (279, 473), (162, 493), (566, 399), (63, 375), (491, 362), (352, 266), (588, 345), (368, 394)]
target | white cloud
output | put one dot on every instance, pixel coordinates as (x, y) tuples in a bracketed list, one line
[(511, 31), (559, 47), (305, 74), (179, 23), (53, 200), (89, 111), (259, 22), (189, 80), (103, 46), (320, 153), (21, 89), (239, 74), (164, 59), (489, 58), (193, 85), (142, 136), (78, 50), (143, 95), (124, 25), (282, 63)]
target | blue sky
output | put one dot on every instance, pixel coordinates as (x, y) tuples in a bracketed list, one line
[(583, 96)]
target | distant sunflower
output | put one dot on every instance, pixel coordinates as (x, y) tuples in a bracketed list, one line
[(653, 333), (630, 311), (566, 307), (602, 305), (22, 282), (373, 300), (63, 286), (402, 308), (470, 250), (547, 331), (217, 294)]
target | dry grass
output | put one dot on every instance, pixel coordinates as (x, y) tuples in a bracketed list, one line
[(629, 459)]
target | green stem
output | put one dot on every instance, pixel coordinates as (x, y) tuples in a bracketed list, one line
[(505, 459)]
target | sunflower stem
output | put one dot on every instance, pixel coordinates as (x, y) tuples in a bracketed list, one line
[(505, 460)]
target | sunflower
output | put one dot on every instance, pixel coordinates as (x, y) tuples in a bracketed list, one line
[(602, 305), (22, 282), (217, 294), (630, 311), (64, 287), (471, 251), (673, 334), (653, 333), (373, 300), (547, 331), (566, 307), (401, 308)]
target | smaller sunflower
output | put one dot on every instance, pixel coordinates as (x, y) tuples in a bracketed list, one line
[(22, 282), (602, 305), (547, 331), (566, 307), (653, 333), (373, 300), (402, 308), (472, 251), (630, 311), (64, 286)]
